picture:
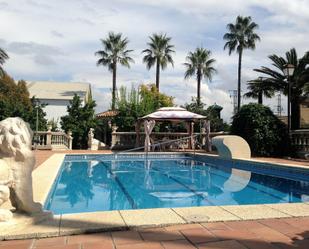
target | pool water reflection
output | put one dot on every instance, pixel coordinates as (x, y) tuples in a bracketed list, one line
[(93, 185)]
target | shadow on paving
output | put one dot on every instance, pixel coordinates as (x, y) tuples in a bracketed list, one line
[(197, 235)]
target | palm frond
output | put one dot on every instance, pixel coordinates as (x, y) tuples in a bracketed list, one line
[(159, 49)]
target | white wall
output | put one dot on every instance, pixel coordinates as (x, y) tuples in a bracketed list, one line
[(55, 109)]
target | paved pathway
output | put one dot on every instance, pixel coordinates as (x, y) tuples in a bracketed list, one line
[(262, 234)]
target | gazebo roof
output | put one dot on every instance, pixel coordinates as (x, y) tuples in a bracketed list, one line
[(107, 114), (173, 114)]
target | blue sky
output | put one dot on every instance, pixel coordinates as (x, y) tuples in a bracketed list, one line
[(56, 40)]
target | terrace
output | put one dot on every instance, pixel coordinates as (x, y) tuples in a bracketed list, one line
[(173, 177), (251, 227)]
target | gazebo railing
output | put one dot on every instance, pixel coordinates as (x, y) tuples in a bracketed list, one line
[(127, 140), (165, 146)]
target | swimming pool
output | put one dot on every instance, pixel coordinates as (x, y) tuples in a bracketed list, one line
[(89, 183)]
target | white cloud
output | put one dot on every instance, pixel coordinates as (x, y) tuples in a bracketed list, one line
[(56, 40)]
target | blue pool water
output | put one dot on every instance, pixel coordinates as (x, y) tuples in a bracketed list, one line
[(100, 183)]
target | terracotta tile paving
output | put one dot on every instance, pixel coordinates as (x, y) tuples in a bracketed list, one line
[(231, 244), (161, 235), (98, 245), (179, 244), (199, 235), (253, 244), (145, 245), (126, 237), (282, 227), (235, 234), (216, 226), (244, 225), (50, 242), (96, 237), (260, 234)]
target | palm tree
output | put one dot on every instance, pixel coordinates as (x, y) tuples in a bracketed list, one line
[(114, 51), (159, 53), (259, 88), (200, 64), (240, 36), (299, 80), (3, 57)]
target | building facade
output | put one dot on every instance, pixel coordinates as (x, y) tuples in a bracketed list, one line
[(57, 96)]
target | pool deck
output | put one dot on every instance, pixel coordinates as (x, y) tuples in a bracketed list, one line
[(249, 226)]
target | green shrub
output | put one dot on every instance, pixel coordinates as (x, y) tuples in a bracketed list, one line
[(264, 132), (79, 120)]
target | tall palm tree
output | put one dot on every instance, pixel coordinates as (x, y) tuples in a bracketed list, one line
[(3, 57), (240, 36), (114, 51), (299, 80), (159, 54), (200, 64), (259, 88)]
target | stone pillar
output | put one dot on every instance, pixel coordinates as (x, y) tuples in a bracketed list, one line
[(90, 139), (114, 135), (70, 139), (49, 137)]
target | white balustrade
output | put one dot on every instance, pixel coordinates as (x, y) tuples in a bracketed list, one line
[(52, 140), (300, 141)]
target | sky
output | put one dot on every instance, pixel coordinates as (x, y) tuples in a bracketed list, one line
[(56, 40)]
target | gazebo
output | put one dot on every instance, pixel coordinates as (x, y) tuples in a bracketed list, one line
[(173, 114)]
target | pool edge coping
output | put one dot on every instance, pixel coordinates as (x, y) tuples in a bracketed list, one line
[(186, 215)]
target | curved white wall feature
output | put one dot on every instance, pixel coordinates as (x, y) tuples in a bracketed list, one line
[(230, 146)]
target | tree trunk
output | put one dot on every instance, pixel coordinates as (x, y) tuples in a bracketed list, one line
[(239, 80), (198, 87), (114, 86), (260, 98), (295, 113), (158, 75)]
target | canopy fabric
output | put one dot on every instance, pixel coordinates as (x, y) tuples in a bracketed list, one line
[(148, 126), (206, 126), (173, 114)]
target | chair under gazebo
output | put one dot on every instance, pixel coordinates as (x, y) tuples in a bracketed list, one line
[(172, 114)]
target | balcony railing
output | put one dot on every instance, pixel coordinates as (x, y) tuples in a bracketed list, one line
[(49, 140)]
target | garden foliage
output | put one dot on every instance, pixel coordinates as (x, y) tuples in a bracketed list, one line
[(138, 103), (264, 132), (212, 113), (79, 120), (15, 102)]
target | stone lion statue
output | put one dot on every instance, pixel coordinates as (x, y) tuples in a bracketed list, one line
[(16, 164)]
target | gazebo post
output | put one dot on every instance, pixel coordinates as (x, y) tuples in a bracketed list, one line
[(191, 135), (190, 130)]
